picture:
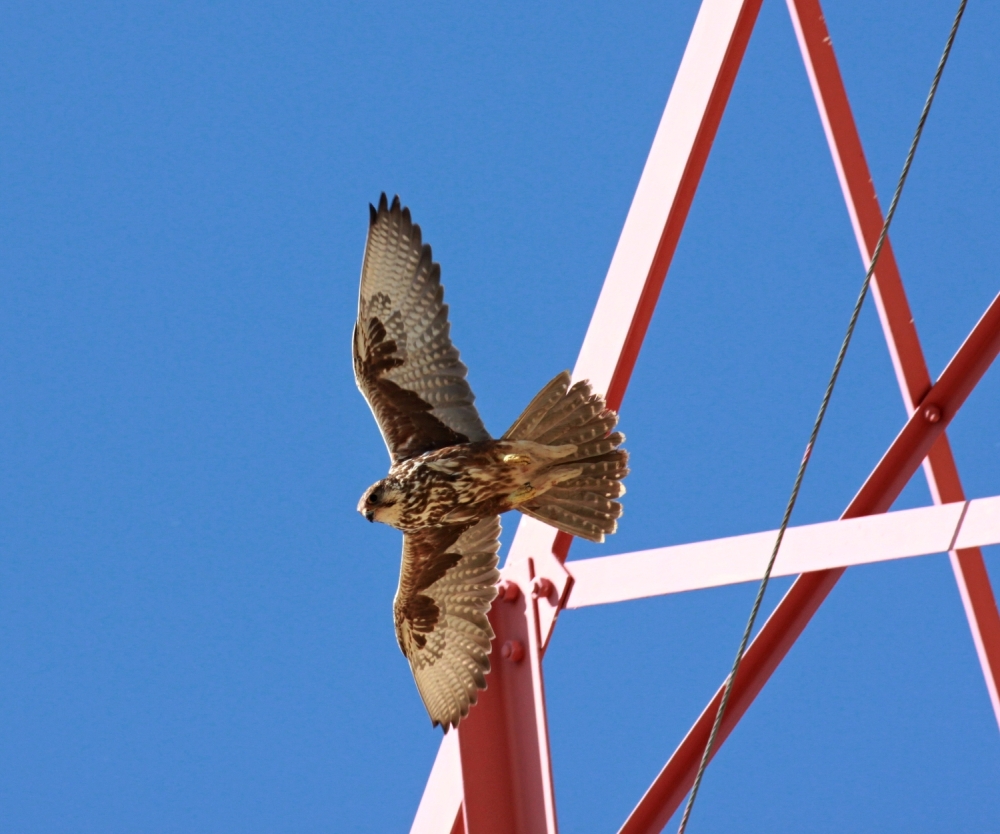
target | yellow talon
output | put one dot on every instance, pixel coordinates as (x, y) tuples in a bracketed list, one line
[(517, 460), (522, 494)]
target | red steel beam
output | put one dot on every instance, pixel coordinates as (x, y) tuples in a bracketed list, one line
[(657, 216), (506, 772), (928, 421), (680, 150), (805, 596), (897, 320)]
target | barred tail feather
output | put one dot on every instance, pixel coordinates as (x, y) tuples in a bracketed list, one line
[(525, 425), (581, 502)]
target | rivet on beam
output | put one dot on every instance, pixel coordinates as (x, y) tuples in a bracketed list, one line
[(508, 591), (932, 413), (542, 588), (513, 650)]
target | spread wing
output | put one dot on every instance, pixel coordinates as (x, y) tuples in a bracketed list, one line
[(404, 361), (446, 585)]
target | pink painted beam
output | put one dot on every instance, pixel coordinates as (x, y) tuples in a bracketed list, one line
[(897, 321), (663, 197), (656, 218), (806, 595), (811, 547)]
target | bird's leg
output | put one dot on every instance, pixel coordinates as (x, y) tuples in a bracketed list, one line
[(542, 483)]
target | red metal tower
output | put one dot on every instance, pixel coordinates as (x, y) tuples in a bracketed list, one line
[(494, 775)]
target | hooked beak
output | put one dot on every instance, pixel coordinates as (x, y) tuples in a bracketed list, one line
[(370, 515)]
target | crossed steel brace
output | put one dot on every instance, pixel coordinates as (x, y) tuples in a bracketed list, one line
[(495, 774)]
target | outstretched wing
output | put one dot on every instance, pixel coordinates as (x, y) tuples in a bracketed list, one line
[(404, 361), (446, 585)]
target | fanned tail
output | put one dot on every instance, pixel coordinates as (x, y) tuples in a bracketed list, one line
[(581, 502)]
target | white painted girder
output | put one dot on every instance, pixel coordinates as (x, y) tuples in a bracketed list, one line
[(811, 547), (442, 797)]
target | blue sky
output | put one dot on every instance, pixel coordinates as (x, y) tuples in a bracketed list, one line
[(195, 629)]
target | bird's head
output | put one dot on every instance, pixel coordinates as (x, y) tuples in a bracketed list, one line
[(382, 502)]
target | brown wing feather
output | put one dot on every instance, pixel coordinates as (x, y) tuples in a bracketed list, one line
[(404, 361), (446, 585)]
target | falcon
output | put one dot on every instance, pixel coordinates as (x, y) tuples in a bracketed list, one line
[(449, 480)]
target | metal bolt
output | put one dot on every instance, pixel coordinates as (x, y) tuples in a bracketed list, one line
[(932, 413), (542, 588), (513, 650), (508, 591)]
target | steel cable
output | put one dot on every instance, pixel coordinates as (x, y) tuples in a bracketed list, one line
[(819, 420)]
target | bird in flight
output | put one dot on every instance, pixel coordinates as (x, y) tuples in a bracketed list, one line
[(449, 481)]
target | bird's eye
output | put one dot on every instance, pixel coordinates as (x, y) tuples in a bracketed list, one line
[(373, 498)]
